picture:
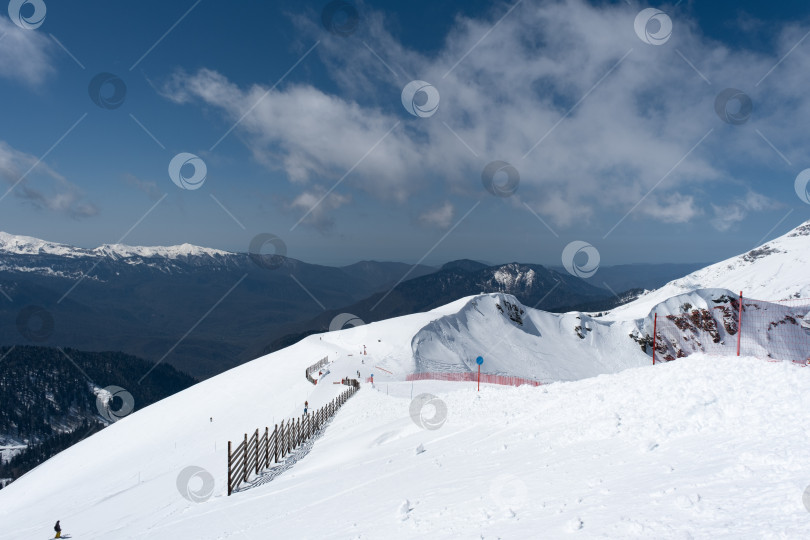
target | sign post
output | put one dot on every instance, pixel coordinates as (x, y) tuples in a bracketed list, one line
[(479, 361)]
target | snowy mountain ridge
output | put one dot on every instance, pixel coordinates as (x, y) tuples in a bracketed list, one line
[(27, 245), (774, 271), (512, 275), (517, 340), (695, 312)]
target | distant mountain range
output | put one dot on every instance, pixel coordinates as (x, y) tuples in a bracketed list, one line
[(206, 310), (533, 284), (201, 310)]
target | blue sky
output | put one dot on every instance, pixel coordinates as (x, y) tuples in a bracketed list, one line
[(616, 141)]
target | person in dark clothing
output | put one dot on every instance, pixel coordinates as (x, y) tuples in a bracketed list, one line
[(306, 406), (58, 529)]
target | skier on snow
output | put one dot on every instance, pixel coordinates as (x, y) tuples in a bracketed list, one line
[(58, 529)]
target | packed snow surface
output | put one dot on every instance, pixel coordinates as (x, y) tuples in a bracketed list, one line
[(704, 447)]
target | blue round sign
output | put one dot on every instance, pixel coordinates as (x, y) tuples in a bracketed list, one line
[(479, 360)]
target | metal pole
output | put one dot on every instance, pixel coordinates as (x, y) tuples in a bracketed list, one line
[(655, 327), (739, 324)]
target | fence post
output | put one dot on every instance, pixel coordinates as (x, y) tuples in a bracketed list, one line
[(245, 474), (655, 327), (739, 324), (257, 450), (282, 436), (266, 447), (298, 431)]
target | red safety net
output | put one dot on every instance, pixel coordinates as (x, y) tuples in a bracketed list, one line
[(471, 376), (774, 330)]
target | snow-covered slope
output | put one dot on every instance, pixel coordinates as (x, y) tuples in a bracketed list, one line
[(700, 448), (520, 341), (774, 271), (116, 478), (704, 447)]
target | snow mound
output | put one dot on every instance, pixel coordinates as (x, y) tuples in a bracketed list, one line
[(524, 342)]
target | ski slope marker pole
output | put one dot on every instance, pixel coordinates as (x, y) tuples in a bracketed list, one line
[(739, 324), (479, 361), (655, 326)]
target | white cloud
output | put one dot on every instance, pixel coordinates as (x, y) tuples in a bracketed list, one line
[(148, 187), (318, 208), (671, 208), (24, 54), (727, 216), (43, 187), (522, 84), (441, 217)]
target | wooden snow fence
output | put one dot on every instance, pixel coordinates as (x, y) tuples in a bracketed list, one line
[(315, 367), (254, 454)]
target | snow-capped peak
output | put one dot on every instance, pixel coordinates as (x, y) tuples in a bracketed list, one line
[(168, 252), (26, 245), (513, 275)]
